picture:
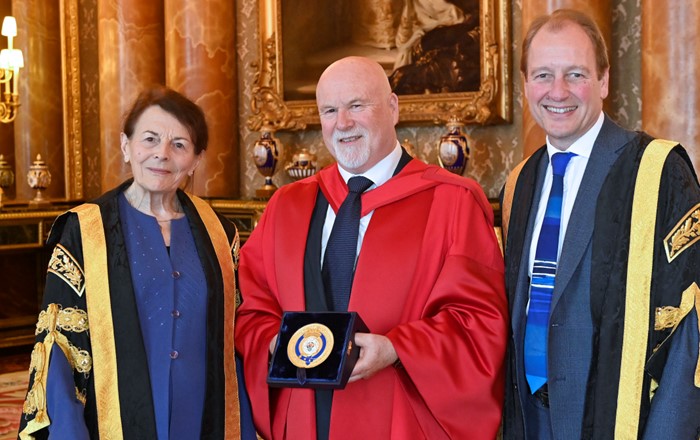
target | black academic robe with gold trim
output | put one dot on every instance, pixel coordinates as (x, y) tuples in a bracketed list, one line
[(670, 385), (67, 288)]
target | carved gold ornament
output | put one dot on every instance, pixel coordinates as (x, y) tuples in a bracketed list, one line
[(64, 265), (684, 234)]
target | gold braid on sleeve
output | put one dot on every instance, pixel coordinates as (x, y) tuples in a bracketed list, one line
[(671, 317), (53, 321)]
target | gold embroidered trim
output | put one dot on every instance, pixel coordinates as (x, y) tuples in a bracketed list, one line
[(236, 250), (696, 292), (68, 319), (35, 401), (637, 299), (101, 330), (653, 386), (52, 319), (669, 316), (222, 248), (64, 265), (666, 317), (80, 360), (684, 234), (81, 396)]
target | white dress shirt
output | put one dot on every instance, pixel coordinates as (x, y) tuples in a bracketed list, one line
[(572, 181), (378, 174)]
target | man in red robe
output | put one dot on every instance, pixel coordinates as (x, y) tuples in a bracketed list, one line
[(428, 283)]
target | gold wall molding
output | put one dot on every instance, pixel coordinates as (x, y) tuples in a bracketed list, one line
[(72, 130)]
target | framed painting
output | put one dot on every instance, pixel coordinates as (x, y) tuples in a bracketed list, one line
[(446, 59)]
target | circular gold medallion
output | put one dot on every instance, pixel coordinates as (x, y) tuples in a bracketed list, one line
[(310, 345)]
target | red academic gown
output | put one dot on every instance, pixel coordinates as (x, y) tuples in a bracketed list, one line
[(429, 276)]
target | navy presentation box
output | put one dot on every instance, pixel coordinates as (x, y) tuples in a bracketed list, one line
[(323, 343)]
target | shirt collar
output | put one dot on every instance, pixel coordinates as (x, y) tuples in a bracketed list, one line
[(381, 172), (583, 145)]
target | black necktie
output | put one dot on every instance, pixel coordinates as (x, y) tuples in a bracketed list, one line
[(341, 250)]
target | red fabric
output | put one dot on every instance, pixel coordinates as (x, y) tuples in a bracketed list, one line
[(429, 277)]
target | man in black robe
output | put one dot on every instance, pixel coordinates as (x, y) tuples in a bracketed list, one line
[(621, 346)]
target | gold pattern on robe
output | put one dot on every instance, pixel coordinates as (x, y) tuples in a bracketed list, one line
[(53, 320), (236, 250), (80, 360), (36, 397), (64, 265), (81, 396), (68, 319), (671, 317), (684, 234), (652, 388)]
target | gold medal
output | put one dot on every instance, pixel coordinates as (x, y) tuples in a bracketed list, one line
[(310, 345)]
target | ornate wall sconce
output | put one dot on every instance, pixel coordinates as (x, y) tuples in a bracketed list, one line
[(11, 60)]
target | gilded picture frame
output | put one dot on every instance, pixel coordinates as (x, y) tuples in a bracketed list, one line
[(295, 36)]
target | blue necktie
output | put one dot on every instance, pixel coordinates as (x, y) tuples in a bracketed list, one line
[(341, 249), (542, 282)]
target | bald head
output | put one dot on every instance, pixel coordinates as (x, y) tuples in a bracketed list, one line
[(358, 113), (355, 70)]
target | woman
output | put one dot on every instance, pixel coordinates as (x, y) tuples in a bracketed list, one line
[(135, 336)]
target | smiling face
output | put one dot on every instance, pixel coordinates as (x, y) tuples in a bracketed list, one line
[(562, 87), (160, 151), (358, 113)]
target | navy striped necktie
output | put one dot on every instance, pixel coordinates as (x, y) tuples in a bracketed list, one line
[(542, 283), (341, 250)]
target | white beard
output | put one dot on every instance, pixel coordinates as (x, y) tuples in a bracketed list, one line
[(351, 157)]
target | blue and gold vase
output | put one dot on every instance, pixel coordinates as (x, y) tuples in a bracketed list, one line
[(453, 150), (39, 178), (265, 155), (303, 165)]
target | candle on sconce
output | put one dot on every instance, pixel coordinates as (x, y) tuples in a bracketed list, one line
[(5, 66), (16, 63), (11, 60)]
